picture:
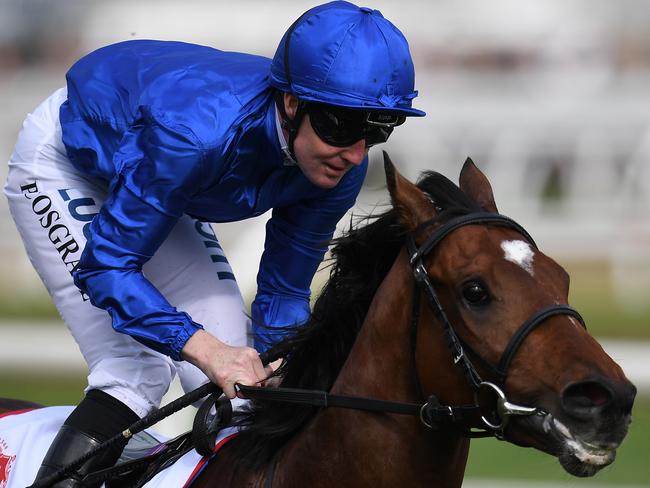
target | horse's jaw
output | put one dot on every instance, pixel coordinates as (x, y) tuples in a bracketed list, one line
[(580, 455)]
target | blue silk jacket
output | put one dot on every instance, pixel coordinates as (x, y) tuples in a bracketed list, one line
[(175, 129)]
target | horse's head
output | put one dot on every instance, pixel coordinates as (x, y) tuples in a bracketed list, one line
[(551, 385)]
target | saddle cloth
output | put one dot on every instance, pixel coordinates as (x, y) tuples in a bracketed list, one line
[(26, 435)]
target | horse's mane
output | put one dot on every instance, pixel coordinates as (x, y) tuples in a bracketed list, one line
[(360, 261)]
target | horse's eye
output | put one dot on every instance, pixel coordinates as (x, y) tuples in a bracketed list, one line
[(475, 293)]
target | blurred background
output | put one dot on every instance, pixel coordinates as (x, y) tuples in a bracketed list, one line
[(550, 98)]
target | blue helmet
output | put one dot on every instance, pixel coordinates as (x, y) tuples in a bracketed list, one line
[(348, 56)]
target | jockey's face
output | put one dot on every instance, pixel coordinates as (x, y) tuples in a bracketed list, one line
[(322, 164)]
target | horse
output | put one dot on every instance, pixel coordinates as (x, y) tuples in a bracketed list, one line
[(444, 315), (13, 405)]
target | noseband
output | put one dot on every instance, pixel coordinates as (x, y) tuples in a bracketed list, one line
[(489, 397)]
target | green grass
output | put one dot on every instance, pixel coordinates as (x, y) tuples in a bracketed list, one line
[(37, 307), (46, 389)]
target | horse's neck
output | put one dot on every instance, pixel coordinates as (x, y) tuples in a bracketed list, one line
[(376, 450), (380, 364)]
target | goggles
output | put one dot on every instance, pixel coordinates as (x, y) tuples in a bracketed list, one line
[(341, 127)]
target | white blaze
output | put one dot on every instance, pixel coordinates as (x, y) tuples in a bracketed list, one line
[(520, 253)]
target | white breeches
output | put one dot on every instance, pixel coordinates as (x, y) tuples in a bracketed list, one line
[(52, 204)]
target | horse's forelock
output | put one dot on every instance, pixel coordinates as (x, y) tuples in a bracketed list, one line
[(445, 194)]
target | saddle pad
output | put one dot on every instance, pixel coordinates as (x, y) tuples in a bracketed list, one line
[(26, 435)]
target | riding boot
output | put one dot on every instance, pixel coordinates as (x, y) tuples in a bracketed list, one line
[(68, 445), (97, 418)]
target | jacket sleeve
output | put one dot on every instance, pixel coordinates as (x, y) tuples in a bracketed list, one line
[(296, 240), (159, 169)]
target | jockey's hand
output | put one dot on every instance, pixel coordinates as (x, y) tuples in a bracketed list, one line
[(225, 365)]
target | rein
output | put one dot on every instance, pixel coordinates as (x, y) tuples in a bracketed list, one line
[(430, 413)]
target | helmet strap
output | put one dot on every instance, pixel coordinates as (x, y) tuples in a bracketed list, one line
[(289, 124)]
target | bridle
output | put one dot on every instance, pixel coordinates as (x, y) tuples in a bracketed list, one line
[(494, 408)]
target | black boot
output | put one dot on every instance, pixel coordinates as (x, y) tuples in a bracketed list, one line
[(69, 445), (97, 418)]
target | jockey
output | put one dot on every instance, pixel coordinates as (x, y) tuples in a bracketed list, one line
[(115, 177)]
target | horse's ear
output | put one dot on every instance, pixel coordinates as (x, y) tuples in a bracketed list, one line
[(476, 186), (412, 205)]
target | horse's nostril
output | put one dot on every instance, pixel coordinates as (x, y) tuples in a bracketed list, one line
[(586, 397)]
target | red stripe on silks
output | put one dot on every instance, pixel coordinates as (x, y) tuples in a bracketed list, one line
[(16, 412), (204, 460)]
